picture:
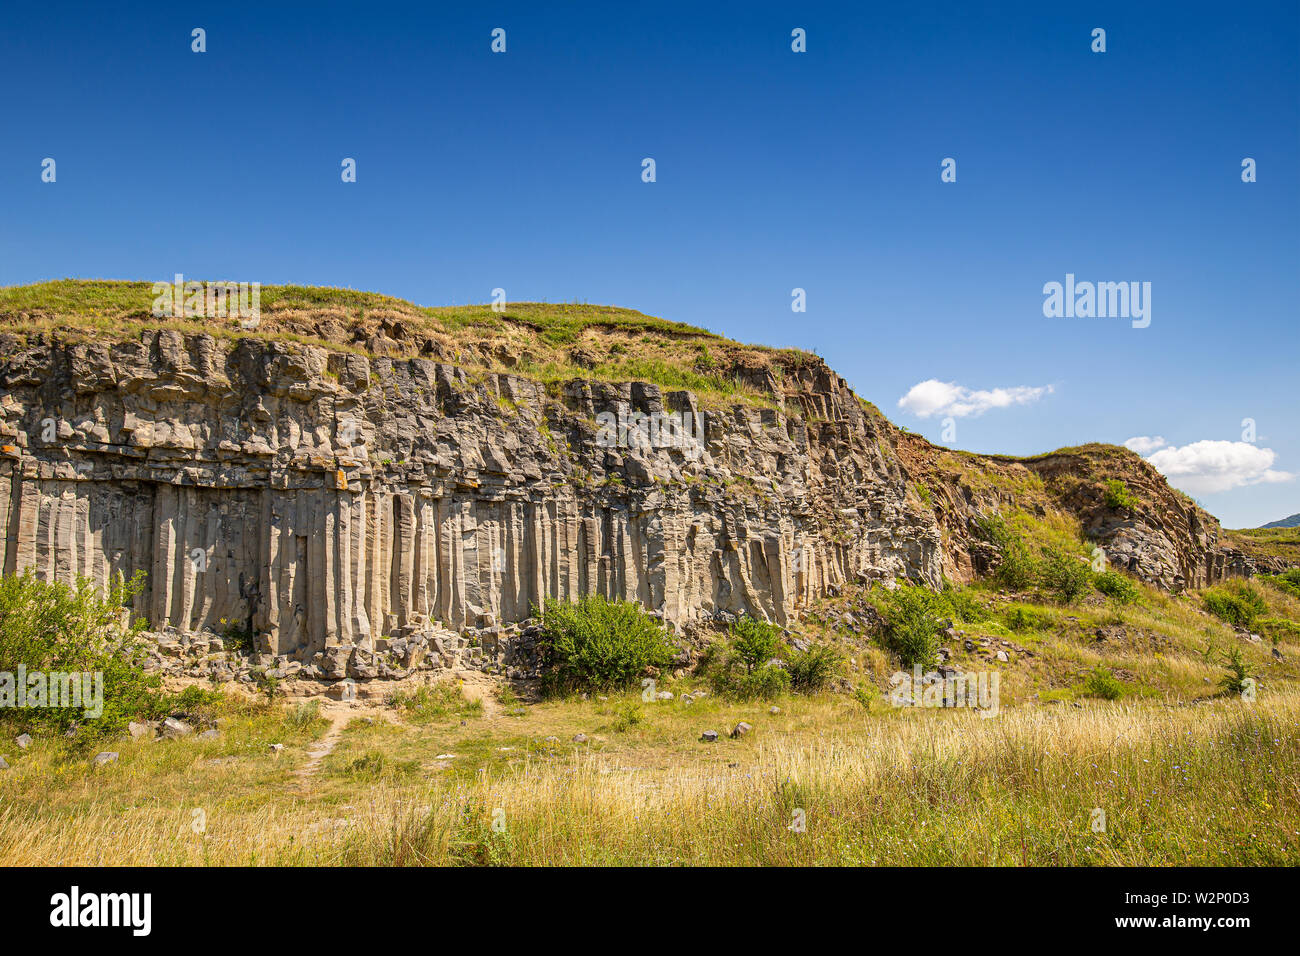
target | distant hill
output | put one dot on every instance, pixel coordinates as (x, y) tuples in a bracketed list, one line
[(1291, 522)]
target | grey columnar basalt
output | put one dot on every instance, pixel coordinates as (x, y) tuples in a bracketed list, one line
[(324, 500)]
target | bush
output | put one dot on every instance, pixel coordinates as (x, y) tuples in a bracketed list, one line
[(767, 681), (959, 604), (911, 625), (627, 714), (813, 670), (1065, 575), (755, 642), (1278, 628), (743, 667), (1118, 587), (1020, 617), (1119, 497), (1237, 603), (1102, 683), (1017, 569), (49, 628), (598, 644), (1288, 581)]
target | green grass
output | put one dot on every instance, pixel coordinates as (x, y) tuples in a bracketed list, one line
[(545, 339)]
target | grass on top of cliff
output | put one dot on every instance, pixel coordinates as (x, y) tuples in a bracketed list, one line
[(101, 302), (539, 340)]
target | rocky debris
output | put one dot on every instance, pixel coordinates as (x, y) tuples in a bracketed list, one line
[(4, 764), (774, 710), (741, 729), (1002, 656), (137, 730), (1110, 633), (344, 690), (23, 741), (106, 757), (664, 695), (277, 749), (709, 737), (209, 735), (171, 727), (579, 738)]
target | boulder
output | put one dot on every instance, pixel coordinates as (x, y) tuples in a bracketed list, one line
[(171, 727)]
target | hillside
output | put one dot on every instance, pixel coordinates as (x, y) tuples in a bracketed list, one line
[(352, 465), (341, 525), (1290, 522)]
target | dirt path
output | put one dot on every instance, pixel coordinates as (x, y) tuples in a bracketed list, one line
[(476, 685), (322, 748)]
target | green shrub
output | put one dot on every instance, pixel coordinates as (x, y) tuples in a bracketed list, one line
[(304, 714), (1278, 627), (911, 625), (1118, 587), (755, 642), (1065, 575), (866, 695), (1237, 603), (598, 644), (767, 681), (959, 604), (627, 714), (1102, 683), (742, 667), (1021, 617), (49, 628), (1288, 581), (1017, 568), (1234, 682), (1119, 497), (813, 670)]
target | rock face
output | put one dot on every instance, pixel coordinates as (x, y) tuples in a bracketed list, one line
[(321, 500)]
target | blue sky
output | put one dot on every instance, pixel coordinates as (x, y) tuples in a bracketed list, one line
[(775, 170)]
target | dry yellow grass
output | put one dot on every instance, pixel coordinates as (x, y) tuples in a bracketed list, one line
[(1215, 782)]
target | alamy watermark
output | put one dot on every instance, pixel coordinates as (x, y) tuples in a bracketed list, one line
[(632, 429), (53, 689), (210, 300), (1101, 300), (974, 690)]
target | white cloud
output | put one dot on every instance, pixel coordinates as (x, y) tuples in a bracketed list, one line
[(933, 397), (1209, 466), (1144, 444)]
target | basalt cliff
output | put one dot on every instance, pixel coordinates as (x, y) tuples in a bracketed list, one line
[(347, 476)]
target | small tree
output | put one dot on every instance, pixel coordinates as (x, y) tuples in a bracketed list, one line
[(911, 625), (1234, 682), (1065, 575), (1016, 569), (59, 629), (755, 641)]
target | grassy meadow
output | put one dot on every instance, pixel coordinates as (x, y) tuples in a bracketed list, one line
[(1175, 771)]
